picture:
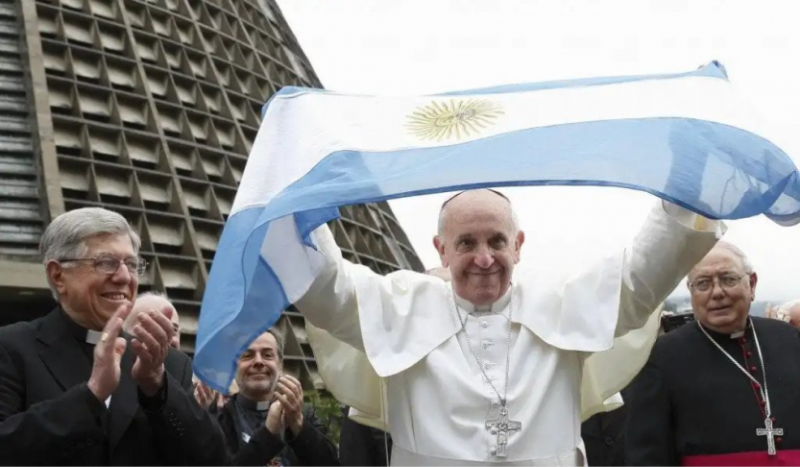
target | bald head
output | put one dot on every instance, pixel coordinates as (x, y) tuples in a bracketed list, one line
[(152, 301), (476, 199)]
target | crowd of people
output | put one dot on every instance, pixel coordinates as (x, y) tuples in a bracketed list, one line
[(477, 363)]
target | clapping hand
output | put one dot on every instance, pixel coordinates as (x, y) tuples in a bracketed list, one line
[(152, 334), (107, 355), (289, 393), (274, 421), (204, 394)]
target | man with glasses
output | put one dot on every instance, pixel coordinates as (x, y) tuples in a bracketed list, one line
[(75, 390), (722, 390)]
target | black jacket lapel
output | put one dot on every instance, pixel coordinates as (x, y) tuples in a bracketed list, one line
[(124, 402), (63, 354)]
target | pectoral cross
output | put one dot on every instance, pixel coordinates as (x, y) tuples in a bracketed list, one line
[(770, 433), (502, 427)]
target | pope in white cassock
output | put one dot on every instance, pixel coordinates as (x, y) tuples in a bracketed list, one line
[(500, 365)]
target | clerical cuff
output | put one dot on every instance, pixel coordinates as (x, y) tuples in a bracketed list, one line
[(96, 407), (304, 438), (266, 438), (156, 402)]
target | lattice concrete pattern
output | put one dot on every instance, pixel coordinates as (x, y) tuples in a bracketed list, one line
[(150, 108)]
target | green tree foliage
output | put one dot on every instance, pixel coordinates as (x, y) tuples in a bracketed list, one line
[(328, 410)]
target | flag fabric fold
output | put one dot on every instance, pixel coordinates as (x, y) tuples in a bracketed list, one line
[(688, 138)]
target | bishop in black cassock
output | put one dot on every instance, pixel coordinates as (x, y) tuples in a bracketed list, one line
[(724, 390)]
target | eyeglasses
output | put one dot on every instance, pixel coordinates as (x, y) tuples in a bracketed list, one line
[(110, 264), (726, 281)]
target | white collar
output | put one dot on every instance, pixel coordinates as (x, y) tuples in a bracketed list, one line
[(496, 307), (92, 336), (262, 405)]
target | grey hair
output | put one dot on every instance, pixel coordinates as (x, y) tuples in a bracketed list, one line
[(66, 235), (280, 340), (786, 307), (746, 264), (443, 217)]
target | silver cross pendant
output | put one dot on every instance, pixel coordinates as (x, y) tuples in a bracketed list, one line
[(770, 433), (502, 427)]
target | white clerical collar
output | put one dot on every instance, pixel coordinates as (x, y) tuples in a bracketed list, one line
[(251, 404), (495, 307), (92, 336)]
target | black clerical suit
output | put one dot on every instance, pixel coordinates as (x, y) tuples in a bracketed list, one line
[(49, 416), (250, 443), (692, 405), (603, 436), (360, 445)]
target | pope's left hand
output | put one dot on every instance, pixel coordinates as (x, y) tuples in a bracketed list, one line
[(290, 394), (153, 332)]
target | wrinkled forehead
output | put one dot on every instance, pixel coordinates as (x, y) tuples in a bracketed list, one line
[(718, 260), (263, 342), (110, 244)]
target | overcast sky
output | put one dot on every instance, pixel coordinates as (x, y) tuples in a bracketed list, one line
[(430, 46)]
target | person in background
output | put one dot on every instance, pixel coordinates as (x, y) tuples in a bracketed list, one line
[(789, 312), (265, 423), (157, 302)]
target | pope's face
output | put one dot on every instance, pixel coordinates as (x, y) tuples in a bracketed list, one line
[(479, 245), (725, 305)]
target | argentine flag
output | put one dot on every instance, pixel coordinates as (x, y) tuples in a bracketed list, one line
[(687, 138)]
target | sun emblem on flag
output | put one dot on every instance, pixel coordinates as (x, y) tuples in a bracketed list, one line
[(453, 119)]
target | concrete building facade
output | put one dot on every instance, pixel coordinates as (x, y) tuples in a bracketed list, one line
[(149, 108)]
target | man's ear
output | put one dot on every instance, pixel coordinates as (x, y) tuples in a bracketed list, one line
[(55, 274), (518, 246), (753, 283), (438, 243)]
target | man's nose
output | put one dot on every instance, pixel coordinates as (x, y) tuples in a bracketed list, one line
[(122, 275), (484, 258), (716, 290)]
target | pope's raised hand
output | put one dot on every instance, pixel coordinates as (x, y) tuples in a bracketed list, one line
[(152, 334), (107, 355)]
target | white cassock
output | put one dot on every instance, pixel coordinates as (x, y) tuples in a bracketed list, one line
[(398, 339)]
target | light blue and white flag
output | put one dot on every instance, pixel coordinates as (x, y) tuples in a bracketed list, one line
[(687, 138)]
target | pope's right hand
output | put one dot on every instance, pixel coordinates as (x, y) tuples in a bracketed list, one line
[(107, 355)]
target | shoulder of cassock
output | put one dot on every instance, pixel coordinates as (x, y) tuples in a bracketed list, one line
[(405, 315)]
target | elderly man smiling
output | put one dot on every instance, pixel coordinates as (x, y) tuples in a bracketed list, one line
[(721, 390), (72, 391), (489, 367)]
